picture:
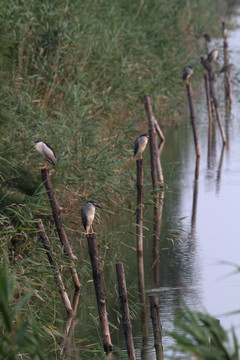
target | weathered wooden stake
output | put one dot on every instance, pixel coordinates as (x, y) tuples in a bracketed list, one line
[(53, 261), (126, 321), (227, 82), (193, 118), (56, 211), (99, 290), (157, 329), (211, 75), (139, 216), (156, 170), (140, 265), (207, 88), (153, 143)]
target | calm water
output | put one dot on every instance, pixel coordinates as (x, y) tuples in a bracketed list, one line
[(205, 216), (212, 223)]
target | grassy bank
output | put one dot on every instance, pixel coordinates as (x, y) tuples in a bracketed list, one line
[(74, 74)]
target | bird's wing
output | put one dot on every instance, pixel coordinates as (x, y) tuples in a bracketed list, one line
[(84, 219), (49, 153), (136, 145)]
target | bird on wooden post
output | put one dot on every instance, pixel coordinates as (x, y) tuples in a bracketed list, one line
[(187, 72), (213, 55), (88, 214), (46, 151), (140, 145)]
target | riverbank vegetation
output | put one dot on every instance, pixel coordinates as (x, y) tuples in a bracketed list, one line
[(74, 74)]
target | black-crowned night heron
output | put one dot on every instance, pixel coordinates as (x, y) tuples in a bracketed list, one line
[(187, 72), (225, 33), (226, 68), (140, 145), (88, 214), (213, 55), (46, 151)]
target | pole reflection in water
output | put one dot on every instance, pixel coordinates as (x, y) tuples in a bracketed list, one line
[(195, 196), (211, 154), (219, 170), (67, 345)]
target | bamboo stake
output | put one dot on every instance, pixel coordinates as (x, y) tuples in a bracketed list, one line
[(193, 118), (56, 211), (126, 321), (157, 329), (211, 75), (99, 290), (53, 261)]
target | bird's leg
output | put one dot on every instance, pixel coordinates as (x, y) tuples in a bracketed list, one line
[(45, 166), (93, 232)]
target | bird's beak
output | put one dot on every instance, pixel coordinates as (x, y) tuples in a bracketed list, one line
[(98, 206), (32, 146)]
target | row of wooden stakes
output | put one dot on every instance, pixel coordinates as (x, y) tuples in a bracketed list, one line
[(158, 184)]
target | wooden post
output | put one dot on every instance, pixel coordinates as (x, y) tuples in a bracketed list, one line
[(207, 88), (99, 290), (227, 83), (53, 261), (154, 156), (211, 75), (157, 177), (140, 265), (156, 326), (139, 216), (193, 118), (56, 211), (126, 321), (153, 143)]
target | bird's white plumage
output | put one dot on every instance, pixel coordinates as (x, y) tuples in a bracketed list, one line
[(213, 55), (88, 214), (46, 152), (140, 145)]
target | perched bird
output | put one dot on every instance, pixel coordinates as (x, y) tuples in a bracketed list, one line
[(140, 145), (213, 55), (207, 37), (187, 72), (88, 214), (225, 33), (226, 68), (46, 151)]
